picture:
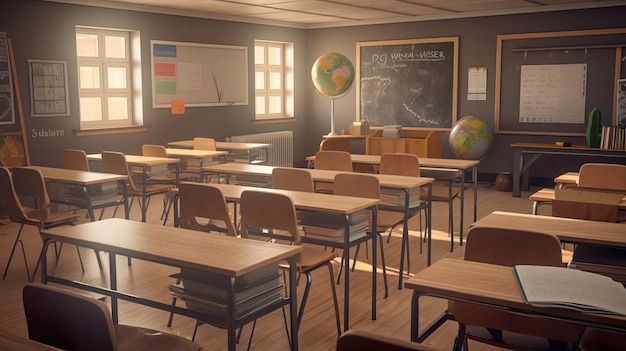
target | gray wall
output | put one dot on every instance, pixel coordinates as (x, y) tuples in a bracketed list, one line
[(43, 30)]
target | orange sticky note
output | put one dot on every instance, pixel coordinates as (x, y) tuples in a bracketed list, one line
[(178, 107)]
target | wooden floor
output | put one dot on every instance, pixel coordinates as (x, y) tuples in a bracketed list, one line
[(317, 331)]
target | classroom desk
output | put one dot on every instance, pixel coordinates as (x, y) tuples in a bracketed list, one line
[(199, 155), (493, 286), (405, 183), (84, 180), (249, 148), (432, 167), (521, 166), (570, 230), (145, 163), (329, 204), (547, 195), (223, 255)]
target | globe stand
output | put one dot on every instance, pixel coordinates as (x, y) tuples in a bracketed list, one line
[(332, 118)]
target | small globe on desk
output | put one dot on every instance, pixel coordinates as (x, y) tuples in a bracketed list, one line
[(470, 138)]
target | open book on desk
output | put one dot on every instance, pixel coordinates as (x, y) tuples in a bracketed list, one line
[(561, 287)]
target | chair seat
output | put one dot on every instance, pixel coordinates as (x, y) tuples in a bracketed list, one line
[(53, 219), (311, 258), (135, 338)]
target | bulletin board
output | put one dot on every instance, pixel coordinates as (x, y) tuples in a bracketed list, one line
[(412, 83), (198, 74), (547, 83)]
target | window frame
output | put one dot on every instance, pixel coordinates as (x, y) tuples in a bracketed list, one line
[(285, 92)]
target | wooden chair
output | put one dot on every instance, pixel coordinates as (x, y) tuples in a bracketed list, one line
[(292, 179), (28, 184), (442, 191), (335, 144), (602, 340), (366, 185), (115, 162), (202, 208), (281, 215), (602, 176), (207, 144), (358, 340), (102, 195), (75, 159), (331, 160), (508, 247), (69, 321)]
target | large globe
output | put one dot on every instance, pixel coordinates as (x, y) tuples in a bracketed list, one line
[(332, 75), (470, 138)]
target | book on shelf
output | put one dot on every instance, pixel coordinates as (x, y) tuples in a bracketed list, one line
[(332, 227), (613, 138), (546, 286)]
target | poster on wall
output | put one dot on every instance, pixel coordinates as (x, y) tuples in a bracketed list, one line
[(49, 93), (7, 113)]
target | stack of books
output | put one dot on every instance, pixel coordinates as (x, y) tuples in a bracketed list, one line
[(329, 227), (397, 197), (613, 138), (391, 131), (207, 292)]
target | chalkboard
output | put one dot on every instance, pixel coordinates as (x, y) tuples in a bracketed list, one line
[(412, 83), (198, 74), (598, 51)]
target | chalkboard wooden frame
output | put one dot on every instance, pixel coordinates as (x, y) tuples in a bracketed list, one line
[(199, 74), (418, 89), (556, 48)]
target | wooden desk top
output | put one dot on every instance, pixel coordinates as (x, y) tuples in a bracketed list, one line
[(190, 153), (177, 247), (566, 229), (493, 285), (222, 145), (332, 204), (548, 194), (426, 162), (77, 177), (562, 148), (137, 160), (567, 178), (322, 175)]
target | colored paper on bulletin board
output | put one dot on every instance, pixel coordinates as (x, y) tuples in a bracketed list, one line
[(164, 69), (178, 107), (166, 88)]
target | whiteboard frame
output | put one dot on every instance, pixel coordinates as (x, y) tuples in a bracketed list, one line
[(542, 35), (244, 50), (455, 73)]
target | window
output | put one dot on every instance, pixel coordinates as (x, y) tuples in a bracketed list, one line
[(273, 80), (106, 67)]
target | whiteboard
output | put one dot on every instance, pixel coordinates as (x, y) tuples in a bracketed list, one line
[(553, 93), (198, 74)]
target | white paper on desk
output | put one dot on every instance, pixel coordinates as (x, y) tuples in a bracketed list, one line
[(571, 288)]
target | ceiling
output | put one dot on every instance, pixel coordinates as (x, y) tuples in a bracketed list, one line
[(339, 13)]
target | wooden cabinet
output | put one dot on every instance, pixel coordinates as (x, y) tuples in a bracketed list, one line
[(423, 143)]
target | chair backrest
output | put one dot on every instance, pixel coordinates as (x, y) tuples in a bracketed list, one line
[(75, 159), (256, 212), (66, 320), (358, 340), (29, 182), (115, 162), (204, 202), (333, 160), (204, 144), (153, 150), (10, 204), (399, 164), (292, 179), (335, 144), (357, 184), (510, 247), (602, 176)]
